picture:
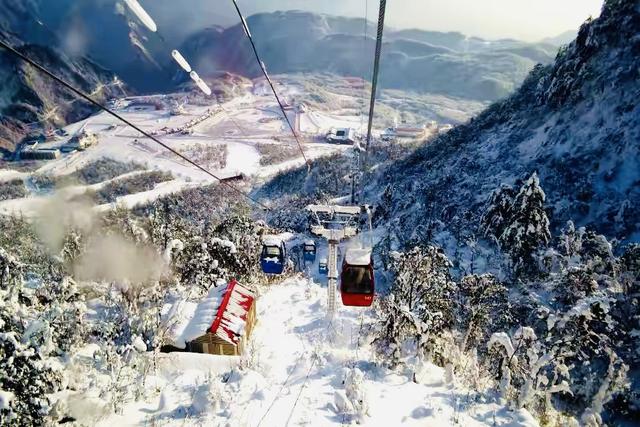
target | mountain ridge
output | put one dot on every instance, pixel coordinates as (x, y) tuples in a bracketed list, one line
[(444, 63), (576, 122), (27, 95)]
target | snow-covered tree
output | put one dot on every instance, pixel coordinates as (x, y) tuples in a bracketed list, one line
[(383, 209), (527, 228), (483, 308), (570, 240), (422, 302), (61, 317), (356, 393), (26, 374), (630, 299), (524, 368), (72, 247), (398, 326), (165, 227), (11, 272), (498, 214), (597, 253)]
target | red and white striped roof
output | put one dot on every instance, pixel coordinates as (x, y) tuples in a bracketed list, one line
[(231, 317)]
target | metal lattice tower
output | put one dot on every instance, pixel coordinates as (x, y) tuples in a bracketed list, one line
[(334, 223)]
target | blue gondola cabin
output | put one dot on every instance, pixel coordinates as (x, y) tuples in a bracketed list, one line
[(273, 256), (309, 250), (323, 267)]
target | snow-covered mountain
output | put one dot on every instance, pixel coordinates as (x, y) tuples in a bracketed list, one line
[(290, 42), (105, 31), (576, 122), (30, 101), (295, 41)]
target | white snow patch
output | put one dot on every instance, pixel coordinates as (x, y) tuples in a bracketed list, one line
[(188, 320), (358, 256), (5, 400)]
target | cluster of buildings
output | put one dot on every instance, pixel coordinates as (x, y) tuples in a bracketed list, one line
[(186, 128), (33, 150), (401, 132)]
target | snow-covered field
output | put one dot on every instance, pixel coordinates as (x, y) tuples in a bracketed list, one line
[(239, 125), (304, 369)]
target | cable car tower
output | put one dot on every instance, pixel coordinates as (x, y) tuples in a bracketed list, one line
[(335, 223)]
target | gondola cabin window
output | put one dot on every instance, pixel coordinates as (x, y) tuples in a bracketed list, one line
[(271, 251), (357, 279)]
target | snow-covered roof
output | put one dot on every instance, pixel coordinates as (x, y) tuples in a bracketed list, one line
[(358, 256), (271, 240), (231, 317), (191, 320), (223, 312), (309, 242)]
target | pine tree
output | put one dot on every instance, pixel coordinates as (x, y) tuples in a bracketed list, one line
[(528, 227), (597, 253), (498, 215), (570, 241)]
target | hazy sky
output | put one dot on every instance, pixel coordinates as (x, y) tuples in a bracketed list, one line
[(521, 19)]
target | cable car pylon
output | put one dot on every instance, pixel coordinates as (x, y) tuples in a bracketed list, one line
[(334, 223)]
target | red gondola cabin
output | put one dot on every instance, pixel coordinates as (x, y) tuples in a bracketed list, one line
[(357, 283)]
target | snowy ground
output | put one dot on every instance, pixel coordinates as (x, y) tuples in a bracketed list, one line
[(239, 124), (295, 374)]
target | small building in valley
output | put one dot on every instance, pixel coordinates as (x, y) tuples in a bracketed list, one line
[(82, 141), (220, 324), (341, 136), (33, 153)]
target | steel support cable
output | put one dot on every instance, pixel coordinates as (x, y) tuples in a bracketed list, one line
[(245, 27), (376, 70), (355, 172), (364, 46), (306, 379), (374, 87), (125, 121), (170, 74)]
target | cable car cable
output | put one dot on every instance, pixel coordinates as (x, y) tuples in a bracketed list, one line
[(266, 76), (125, 121), (374, 87), (184, 64), (376, 69)]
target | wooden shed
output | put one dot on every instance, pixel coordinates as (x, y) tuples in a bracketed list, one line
[(222, 323)]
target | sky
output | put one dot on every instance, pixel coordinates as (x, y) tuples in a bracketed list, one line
[(529, 20)]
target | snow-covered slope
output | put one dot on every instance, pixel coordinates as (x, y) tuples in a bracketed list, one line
[(302, 369), (30, 101), (576, 122)]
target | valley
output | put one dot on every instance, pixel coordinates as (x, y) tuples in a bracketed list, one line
[(241, 129), (256, 261)]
